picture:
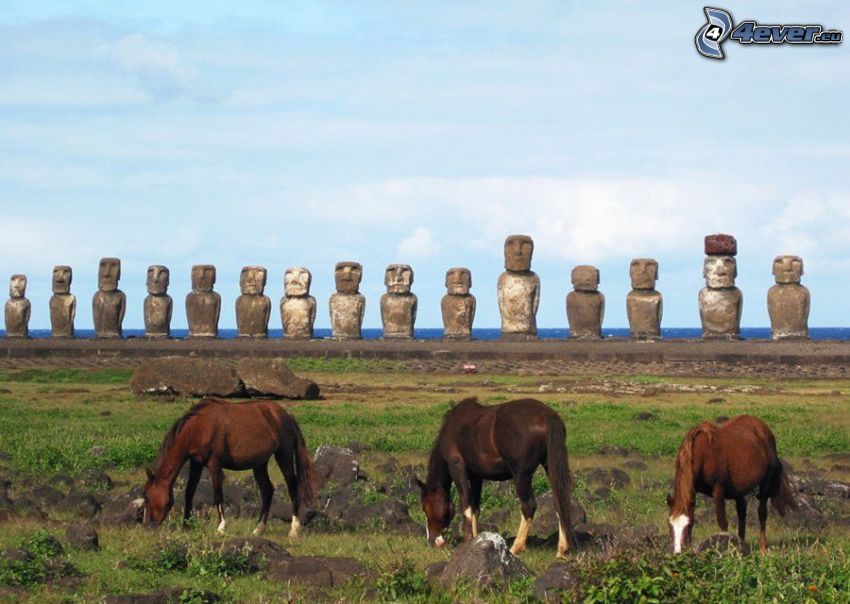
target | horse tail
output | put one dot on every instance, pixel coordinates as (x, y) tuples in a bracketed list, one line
[(783, 497), (304, 471), (558, 470)]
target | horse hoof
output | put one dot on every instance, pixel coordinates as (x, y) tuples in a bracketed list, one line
[(517, 551)]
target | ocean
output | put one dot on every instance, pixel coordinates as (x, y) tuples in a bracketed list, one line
[(747, 333)]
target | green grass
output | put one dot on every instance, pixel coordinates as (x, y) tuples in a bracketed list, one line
[(67, 376)]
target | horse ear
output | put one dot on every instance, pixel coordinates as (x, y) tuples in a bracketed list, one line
[(669, 501), (422, 486)]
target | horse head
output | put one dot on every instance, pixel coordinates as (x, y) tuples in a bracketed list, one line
[(681, 523), (439, 511), (158, 500)]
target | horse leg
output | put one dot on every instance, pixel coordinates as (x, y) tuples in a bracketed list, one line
[(741, 508), (762, 524), (261, 475), (475, 485), (286, 462), (527, 506), (720, 508), (195, 470), (217, 476), (457, 470)]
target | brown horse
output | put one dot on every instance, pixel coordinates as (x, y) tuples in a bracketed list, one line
[(234, 436), (499, 442), (728, 461)]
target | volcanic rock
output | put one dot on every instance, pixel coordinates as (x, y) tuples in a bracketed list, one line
[(186, 376), (485, 562), (273, 378)]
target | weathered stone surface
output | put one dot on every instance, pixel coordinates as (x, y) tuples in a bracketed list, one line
[(585, 305), (347, 305), (123, 510), (398, 305), (168, 595), (720, 245), (259, 551), (518, 289), (720, 312), (317, 571), (720, 301), (555, 583), (337, 465), (723, 543), (788, 301), (644, 305), (458, 305), (63, 304), (485, 562), (109, 303), (545, 522), (272, 377), (158, 304), (253, 309), (180, 375), (297, 307), (17, 308), (82, 535), (203, 305)]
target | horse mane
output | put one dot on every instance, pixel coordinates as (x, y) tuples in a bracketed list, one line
[(683, 491), (435, 461), (171, 435)]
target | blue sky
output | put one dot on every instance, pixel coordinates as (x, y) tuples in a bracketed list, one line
[(304, 133)]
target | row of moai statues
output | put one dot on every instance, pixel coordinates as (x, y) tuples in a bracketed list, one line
[(518, 289)]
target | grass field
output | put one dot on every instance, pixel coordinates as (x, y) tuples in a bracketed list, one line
[(61, 421)]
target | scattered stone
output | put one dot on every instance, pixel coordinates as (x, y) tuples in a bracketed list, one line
[(336, 464), (47, 496), (545, 521), (259, 551), (434, 570), (186, 376), (272, 377), (555, 583), (316, 571), (98, 480), (645, 416), (83, 504), (720, 419), (636, 464), (124, 509), (614, 450), (723, 543), (82, 535), (61, 480), (716, 400), (485, 562), (169, 595)]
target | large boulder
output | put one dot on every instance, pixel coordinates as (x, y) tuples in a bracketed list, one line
[(185, 376), (272, 377), (316, 571), (484, 562), (337, 465)]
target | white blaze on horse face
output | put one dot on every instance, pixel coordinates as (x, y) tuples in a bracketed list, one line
[(679, 523)]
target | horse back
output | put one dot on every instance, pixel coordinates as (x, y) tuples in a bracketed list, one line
[(741, 452)]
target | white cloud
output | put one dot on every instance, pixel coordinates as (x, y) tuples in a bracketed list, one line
[(419, 244)]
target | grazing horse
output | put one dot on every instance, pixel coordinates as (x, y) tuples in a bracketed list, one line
[(728, 461), (235, 436), (499, 442)]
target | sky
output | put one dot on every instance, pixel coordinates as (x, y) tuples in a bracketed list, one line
[(305, 133)]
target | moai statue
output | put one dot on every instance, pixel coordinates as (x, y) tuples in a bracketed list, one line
[(720, 301), (203, 305), (63, 304), (788, 301), (297, 307), (585, 305), (347, 305), (398, 305), (518, 290), (158, 304), (458, 305), (18, 308), (253, 309), (109, 302), (644, 305)]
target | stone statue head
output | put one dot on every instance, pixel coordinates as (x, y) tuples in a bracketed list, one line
[(252, 280), (158, 277), (720, 271), (108, 274), (398, 278), (62, 276), (518, 252), (644, 273), (788, 269), (585, 278), (296, 282), (458, 281), (347, 276), (203, 278), (18, 286)]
